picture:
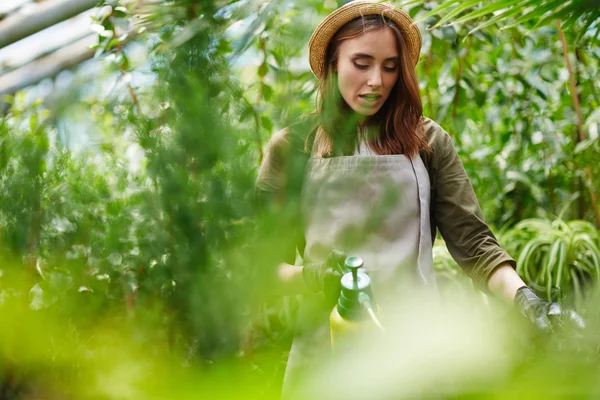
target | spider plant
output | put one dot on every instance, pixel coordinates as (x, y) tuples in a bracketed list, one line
[(555, 256)]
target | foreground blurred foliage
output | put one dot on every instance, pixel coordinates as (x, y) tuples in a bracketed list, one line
[(142, 265)]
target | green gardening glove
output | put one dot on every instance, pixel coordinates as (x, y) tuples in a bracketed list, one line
[(326, 276)]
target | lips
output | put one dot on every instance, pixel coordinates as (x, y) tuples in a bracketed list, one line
[(370, 100), (370, 97)]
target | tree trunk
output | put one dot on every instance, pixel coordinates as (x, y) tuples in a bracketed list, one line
[(580, 133)]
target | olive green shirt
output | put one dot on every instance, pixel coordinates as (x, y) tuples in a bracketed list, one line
[(454, 209)]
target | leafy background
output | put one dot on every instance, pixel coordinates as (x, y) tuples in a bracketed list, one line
[(137, 262)]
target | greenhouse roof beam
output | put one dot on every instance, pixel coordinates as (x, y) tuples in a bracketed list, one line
[(23, 23), (45, 41), (7, 7), (48, 66)]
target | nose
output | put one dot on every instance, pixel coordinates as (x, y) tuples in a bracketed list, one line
[(375, 79)]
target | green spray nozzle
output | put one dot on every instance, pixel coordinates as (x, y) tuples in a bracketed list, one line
[(353, 284), (356, 297), (354, 263)]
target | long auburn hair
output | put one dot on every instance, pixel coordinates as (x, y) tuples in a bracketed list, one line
[(396, 128)]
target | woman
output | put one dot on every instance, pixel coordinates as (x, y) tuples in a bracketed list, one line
[(381, 178)]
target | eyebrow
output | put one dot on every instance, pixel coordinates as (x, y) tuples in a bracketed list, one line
[(368, 56)]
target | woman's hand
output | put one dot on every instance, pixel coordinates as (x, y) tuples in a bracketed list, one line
[(326, 276), (541, 312), (506, 284)]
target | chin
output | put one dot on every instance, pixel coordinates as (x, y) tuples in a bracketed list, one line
[(367, 113), (360, 110)]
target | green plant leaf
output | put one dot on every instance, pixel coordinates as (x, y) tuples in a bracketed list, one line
[(464, 5), (437, 10), (267, 92), (491, 8), (594, 16), (263, 69), (548, 268), (266, 123), (539, 11), (495, 19)]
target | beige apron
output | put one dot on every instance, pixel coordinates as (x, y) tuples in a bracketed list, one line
[(372, 206)]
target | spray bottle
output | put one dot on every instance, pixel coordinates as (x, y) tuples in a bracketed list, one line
[(354, 312)]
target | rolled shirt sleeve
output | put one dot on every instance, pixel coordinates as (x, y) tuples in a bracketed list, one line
[(456, 212), (276, 184), (271, 174)]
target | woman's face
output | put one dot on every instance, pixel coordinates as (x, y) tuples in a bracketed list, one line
[(367, 69)]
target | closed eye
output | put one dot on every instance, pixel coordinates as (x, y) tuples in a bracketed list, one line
[(364, 67)]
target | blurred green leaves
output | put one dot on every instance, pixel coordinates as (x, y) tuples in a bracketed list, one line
[(143, 265), (511, 13)]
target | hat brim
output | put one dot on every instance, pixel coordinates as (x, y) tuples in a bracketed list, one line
[(319, 41)]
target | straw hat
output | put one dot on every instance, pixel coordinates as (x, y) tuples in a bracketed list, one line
[(317, 45)]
